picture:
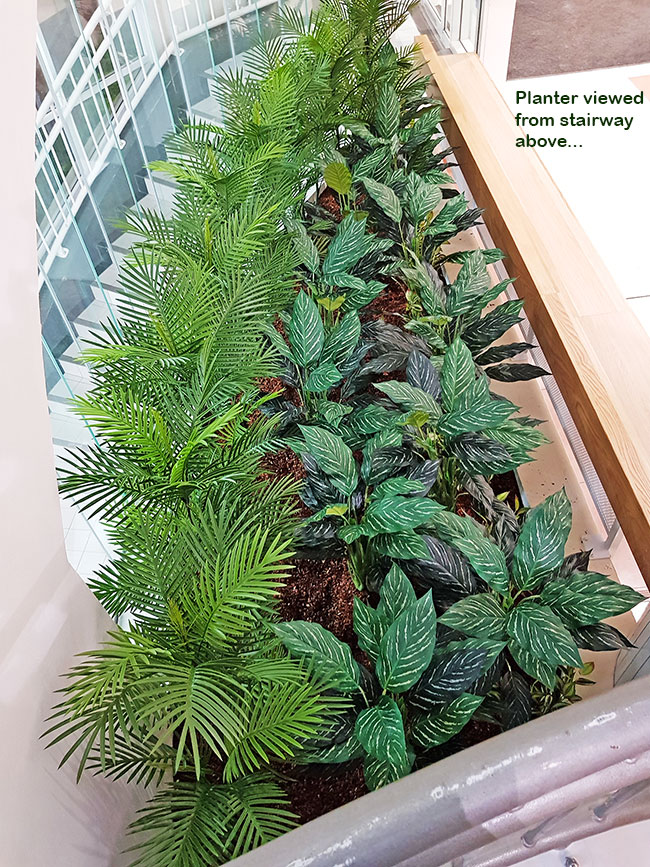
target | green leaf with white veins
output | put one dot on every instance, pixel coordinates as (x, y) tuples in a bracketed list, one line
[(333, 456), (405, 545), (378, 772), (306, 332), (325, 376), (487, 560), (410, 397), (537, 629), (385, 198), (393, 512), (437, 727), (586, 598), (380, 730), (396, 595), (305, 247), (479, 615), (330, 657), (407, 647), (542, 671), (448, 675), (346, 247), (421, 197), (540, 547), (369, 627), (476, 417), (342, 339), (469, 286), (457, 376)]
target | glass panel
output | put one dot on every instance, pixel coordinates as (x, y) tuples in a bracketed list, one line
[(469, 24)]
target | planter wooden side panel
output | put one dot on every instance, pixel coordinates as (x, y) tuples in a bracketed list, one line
[(597, 349)]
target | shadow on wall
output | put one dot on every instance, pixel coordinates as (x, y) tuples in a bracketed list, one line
[(556, 36)]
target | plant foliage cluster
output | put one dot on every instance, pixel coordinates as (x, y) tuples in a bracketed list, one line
[(472, 610)]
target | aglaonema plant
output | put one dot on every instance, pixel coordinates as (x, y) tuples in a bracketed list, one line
[(315, 360), (451, 416), (363, 507), (540, 605), (410, 699), (440, 313)]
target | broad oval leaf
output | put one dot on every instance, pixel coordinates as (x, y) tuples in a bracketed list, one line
[(479, 615), (380, 730), (330, 657), (369, 627), (435, 728), (421, 373), (390, 513), (396, 594), (585, 598), (306, 332), (324, 377), (343, 339), (337, 176), (333, 456), (457, 376), (487, 560), (410, 397), (385, 198), (537, 629), (449, 674), (540, 547), (407, 647)]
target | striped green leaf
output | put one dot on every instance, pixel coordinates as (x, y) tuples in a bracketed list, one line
[(487, 560), (342, 339), (369, 627), (457, 376), (385, 198), (405, 545), (449, 674), (306, 332), (437, 727), (540, 547), (541, 632), (410, 397), (380, 730), (544, 672), (333, 456), (480, 616), (391, 513), (476, 417), (467, 289), (325, 376), (330, 657), (378, 772), (407, 647), (585, 598), (305, 248), (387, 116), (395, 595), (346, 247)]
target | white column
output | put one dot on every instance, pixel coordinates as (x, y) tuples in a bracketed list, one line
[(497, 20), (47, 614)]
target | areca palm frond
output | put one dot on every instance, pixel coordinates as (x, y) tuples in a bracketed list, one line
[(161, 455), (202, 823)]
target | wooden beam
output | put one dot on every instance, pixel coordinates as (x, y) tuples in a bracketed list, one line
[(597, 349)]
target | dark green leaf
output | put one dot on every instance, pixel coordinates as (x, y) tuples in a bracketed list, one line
[(406, 545), (385, 198), (333, 456), (435, 728), (537, 629), (536, 668), (540, 548), (479, 615), (407, 647), (457, 376), (306, 332), (449, 674), (369, 627), (487, 560), (330, 657), (601, 636)]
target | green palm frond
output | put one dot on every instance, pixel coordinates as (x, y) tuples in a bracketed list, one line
[(188, 824)]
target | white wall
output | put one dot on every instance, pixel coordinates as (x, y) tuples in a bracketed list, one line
[(47, 614)]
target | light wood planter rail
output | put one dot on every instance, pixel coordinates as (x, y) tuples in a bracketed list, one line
[(596, 347)]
